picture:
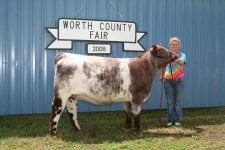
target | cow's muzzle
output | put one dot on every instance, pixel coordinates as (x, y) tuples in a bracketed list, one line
[(173, 57)]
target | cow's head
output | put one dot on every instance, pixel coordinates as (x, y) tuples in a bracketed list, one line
[(162, 55)]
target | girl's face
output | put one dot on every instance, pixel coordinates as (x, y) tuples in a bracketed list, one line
[(174, 45)]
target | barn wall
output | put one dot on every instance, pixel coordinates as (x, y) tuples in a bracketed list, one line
[(26, 67)]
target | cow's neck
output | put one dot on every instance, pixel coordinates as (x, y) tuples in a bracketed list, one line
[(142, 71)]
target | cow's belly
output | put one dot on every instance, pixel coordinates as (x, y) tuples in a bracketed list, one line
[(106, 99), (98, 94)]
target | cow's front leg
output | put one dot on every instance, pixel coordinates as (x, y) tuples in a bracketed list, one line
[(71, 106), (58, 106), (136, 111), (128, 110)]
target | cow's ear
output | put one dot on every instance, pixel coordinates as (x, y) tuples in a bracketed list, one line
[(154, 49)]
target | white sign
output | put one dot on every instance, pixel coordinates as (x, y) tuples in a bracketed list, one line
[(95, 30), (99, 48)]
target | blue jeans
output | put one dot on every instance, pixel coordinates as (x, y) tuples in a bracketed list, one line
[(174, 94)]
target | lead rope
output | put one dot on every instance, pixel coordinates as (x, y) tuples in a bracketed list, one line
[(161, 92)]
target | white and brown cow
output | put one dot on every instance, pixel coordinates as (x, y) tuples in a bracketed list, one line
[(100, 80)]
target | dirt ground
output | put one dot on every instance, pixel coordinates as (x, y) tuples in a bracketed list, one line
[(214, 132)]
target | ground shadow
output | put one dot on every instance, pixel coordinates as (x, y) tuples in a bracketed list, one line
[(152, 126), (108, 126)]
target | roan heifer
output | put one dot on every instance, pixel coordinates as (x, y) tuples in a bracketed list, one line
[(100, 80)]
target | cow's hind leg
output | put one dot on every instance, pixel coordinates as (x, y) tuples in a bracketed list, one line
[(58, 106), (128, 110), (136, 111), (71, 106)]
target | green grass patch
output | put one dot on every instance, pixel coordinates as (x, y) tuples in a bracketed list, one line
[(201, 129)]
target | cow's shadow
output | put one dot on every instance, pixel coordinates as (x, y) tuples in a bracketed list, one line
[(100, 131), (97, 135), (106, 127)]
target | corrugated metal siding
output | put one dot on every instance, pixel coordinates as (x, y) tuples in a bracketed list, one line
[(26, 68)]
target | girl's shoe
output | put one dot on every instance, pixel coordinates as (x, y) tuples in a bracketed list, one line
[(169, 124), (177, 123)]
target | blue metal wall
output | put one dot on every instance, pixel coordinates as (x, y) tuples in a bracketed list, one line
[(26, 67)]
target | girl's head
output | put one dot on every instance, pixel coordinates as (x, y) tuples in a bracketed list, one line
[(174, 43)]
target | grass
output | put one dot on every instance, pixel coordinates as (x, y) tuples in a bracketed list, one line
[(201, 129)]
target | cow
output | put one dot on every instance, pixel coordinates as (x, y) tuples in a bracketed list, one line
[(105, 80)]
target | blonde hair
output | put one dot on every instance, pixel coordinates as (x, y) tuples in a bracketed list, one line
[(175, 39)]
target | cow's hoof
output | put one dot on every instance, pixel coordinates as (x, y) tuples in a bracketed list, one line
[(128, 127), (137, 129), (76, 129), (53, 133)]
